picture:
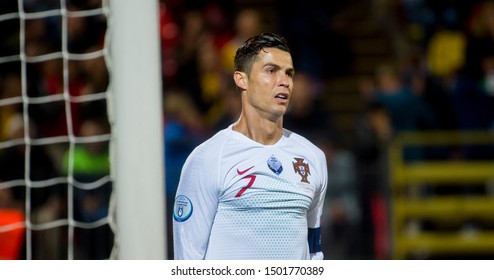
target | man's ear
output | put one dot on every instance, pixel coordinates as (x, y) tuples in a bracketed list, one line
[(240, 79)]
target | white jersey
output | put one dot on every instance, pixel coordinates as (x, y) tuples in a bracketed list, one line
[(239, 199)]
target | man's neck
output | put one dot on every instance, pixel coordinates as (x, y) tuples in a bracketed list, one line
[(261, 130)]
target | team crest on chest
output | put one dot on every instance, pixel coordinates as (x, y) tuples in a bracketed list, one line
[(275, 165), (302, 169)]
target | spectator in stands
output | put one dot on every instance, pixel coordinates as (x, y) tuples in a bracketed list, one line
[(93, 73), (212, 79), (342, 213), (10, 87), (248, 22), (46, 203), (373, 133), (11, 213), (193, 33), (407, 110), (473, 92), (230, 108), (90, 163)]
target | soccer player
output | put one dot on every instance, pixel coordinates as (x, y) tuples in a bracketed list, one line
[(254, 190)]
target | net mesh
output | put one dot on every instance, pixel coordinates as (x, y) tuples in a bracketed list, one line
[(55, 131)]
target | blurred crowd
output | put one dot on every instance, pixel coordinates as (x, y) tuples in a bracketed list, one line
[(439, 75)]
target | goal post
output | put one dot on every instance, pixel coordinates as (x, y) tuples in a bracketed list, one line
[(136, 109)]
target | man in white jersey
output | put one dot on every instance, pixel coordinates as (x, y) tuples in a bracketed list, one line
[(254, 190)]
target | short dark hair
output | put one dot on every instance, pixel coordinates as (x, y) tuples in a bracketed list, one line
[(247, 53)]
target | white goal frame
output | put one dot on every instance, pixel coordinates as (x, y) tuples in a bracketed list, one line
[(136, 116)]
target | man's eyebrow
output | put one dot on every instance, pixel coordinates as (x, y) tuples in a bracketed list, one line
[(277, 66), (270, 64)]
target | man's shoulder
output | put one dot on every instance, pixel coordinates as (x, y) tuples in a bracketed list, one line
[(214, 143), (295, 137), (302, 142), (204, 158)]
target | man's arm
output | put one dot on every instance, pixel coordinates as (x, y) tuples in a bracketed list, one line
[(195, 206), (315, 212)]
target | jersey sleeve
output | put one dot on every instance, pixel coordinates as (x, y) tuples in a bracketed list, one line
[(195, 206), (315, 211)]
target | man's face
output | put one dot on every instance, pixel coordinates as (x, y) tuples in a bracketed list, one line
[(270, 83)]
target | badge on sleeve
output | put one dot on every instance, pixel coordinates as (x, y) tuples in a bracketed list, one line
[(182, 209)]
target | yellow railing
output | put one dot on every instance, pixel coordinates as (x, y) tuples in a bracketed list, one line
[(408, 205)]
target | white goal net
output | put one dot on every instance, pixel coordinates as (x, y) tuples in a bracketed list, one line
[(58, 168)]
